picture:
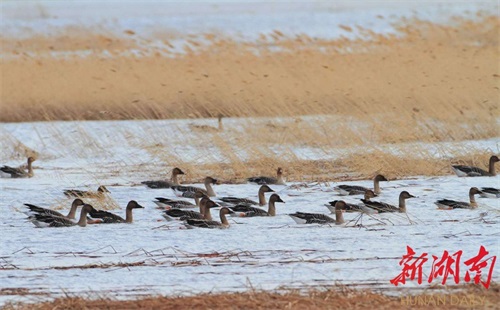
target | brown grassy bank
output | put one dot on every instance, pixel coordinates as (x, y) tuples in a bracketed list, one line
[(471, 297), (431, 71)]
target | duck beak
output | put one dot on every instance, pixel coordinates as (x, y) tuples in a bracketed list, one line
[(139, 206)]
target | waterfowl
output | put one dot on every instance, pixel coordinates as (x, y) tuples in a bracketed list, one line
[(165, 184), (490, 192), (317, 218), (211, 224), (101, 190), (360, 190), (48, 212), (167, 203), (262, 198), (189, 191), (110, 218), (471, 171), (19, 172), (382, 207), (244, 210), (208, 128), (44, 220), (279, 180), (355, 207), (205, 205), (448, 204)]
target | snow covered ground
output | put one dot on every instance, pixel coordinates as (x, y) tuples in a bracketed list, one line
[(153, 256)]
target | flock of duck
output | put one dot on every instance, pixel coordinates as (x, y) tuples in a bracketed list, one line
[(205, 199)]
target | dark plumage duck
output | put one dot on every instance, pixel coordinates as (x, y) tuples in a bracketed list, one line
[(189, 191), (355, 207), (165, 184), (279, 180), (382, 207), (490, 192), (101, 191), (244, 210), (318, 218), (360, 190), (167, 203), (106, 217), (20, 172), (48, 212), (245, 201), (211, 224), (471, 171), (45, 220), (205, 205), (448, 204)]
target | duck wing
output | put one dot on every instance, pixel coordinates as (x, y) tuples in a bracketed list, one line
[(235, 200), (14, 172), (311, 218), (203, 223), (158, 184), (178, 204), (106, 217), (182, 215), (262, 180), (44, 220), (490, 192), (469, 171), (187, 191), (76, 193), (452, 204), (42, 211), (248, 211), (350, 190), (380, 207)]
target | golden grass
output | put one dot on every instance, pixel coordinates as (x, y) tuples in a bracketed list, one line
[(432, 83), (334, 298)]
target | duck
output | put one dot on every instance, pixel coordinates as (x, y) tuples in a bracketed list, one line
[(318, 218), (346, 190), (383, 207), (48, 212), (211, 224), (447, 204), (244, 210), (471, 171), (165, 184), (208, 128), (355, 207), (245, 201), (279, 180), (167, 203), (490, 192), (44, 220), (205, 205), (106, 217), (19, 172), (189, 191), (101, 191)]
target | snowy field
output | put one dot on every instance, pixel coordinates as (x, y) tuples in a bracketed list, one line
[(153, 256)]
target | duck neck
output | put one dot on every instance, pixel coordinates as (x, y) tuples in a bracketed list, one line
[(376, 186), (262, 198), (210, 190), (472, 199), (83, 218), (339, 217), (72, 212), (174, 179), (220, 124), (272, 208), (402, 205), (223, 218), (128, 215), (207, 215), (30, 169), (281, 180), (492, 167), (197, 201)]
